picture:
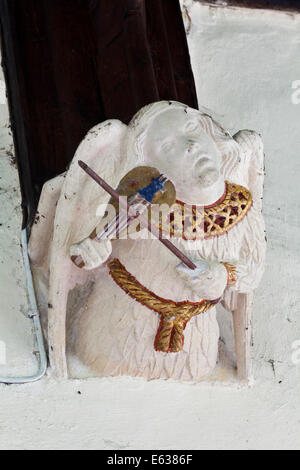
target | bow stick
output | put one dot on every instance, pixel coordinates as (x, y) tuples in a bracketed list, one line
[(136, 205)]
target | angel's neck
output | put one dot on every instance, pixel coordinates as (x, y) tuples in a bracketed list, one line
[(203, 196)]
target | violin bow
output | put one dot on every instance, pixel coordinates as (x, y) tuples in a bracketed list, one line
[(134, 208)]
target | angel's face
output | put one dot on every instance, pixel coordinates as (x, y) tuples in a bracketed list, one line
[(178, 147)]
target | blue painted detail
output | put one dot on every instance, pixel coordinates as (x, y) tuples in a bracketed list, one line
[(158, 184)]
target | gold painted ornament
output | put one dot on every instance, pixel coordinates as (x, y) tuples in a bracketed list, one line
[(192, 222)]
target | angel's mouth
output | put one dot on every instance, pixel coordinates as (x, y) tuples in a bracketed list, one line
[(208, 177)]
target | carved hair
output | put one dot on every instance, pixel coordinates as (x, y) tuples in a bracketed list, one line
[(138, 127)]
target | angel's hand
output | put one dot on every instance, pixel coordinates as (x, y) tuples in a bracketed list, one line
[(92, 253), (208, 280)]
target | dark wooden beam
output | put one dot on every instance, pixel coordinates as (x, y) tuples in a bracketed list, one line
[(53, 92), (181, 64), (123, 58), (142, 54), (15, 89), (70, 64)]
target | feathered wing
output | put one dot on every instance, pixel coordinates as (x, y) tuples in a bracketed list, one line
[(76, 217), (252, 163), (42, 230), (254, 243), (242, 157), (77, 208), (249, 171)]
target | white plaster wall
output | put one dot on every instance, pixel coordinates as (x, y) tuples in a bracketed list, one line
[(16, 342), (245, 63)]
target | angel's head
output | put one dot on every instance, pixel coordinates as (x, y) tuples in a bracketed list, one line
[(183, 143)]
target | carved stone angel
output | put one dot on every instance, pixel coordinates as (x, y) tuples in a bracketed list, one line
[(103, 314)]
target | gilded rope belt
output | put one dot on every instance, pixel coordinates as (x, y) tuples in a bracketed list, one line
[(174, 316)]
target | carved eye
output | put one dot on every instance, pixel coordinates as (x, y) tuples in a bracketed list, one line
[(191, 126)]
